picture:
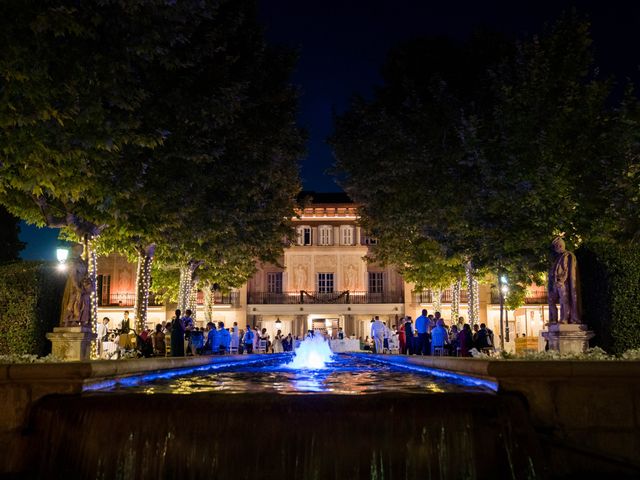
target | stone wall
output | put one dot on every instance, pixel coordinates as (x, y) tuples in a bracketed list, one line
[(587, 413)]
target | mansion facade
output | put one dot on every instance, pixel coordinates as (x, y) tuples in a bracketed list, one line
[(322, 282)]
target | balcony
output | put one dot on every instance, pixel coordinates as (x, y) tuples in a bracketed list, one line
[(533, 298), (446, 296), (126, 299), (231, 298), (338, 298)]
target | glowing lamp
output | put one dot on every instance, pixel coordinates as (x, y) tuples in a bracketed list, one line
[(62, 254)]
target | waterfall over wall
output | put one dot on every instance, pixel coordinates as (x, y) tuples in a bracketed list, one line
[(458, 435)]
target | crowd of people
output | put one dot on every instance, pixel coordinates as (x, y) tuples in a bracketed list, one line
[(178, 337), (429, 335)]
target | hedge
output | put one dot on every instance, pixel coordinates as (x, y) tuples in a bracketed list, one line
[(30, 302), (610, 284)]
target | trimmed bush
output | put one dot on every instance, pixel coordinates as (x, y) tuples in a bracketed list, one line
[(610, 282), (30, 302)]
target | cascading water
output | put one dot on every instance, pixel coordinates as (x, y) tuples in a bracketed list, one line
[(313, 353)]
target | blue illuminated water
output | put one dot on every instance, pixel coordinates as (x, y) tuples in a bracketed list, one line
[(344, 375)]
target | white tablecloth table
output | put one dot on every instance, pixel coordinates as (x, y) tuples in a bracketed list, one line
[(108, 349), (346, 345)]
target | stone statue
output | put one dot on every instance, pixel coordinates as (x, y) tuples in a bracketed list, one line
[(77, 292), (563, 285), (351, 278), (300, 277), (85, 302)]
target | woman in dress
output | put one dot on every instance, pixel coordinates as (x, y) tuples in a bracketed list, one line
[(465, 340), (177, 336), (402, 338), (277, 343)]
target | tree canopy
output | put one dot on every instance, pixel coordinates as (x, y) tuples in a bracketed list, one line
[(486, 150), (149, 122)]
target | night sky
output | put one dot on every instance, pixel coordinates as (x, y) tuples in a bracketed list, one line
[(342, 44)]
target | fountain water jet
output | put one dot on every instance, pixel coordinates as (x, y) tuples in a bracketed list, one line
[(313, 354)]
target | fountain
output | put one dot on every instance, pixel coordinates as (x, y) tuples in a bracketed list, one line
[(313, 354), (370, 420)]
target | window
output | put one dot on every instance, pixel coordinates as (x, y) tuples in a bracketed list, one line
[(304, 235), (347, 234), (325, 282), (104, 289), (376, 284), (325, 233), (274, 282)]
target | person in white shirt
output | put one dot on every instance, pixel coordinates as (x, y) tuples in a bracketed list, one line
[(103, 333), (386, 336), (377, 333), (235, 336)]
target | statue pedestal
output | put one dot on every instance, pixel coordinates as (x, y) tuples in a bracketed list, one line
[(71, 343), (568, 337)]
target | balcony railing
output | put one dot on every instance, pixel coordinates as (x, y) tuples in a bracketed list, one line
[(446, 296), (219, 298), (126, 299), (341, 298), (533, 298)]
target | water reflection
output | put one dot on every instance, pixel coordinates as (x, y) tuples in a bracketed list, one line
[(345, 376)]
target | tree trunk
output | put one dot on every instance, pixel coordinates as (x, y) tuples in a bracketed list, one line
[(92, 259), (472, 294), (455, 301), (187, 295), (436, 298), (143, 282), (208, 302)]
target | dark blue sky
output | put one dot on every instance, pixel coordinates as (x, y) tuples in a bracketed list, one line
[(342, 45)]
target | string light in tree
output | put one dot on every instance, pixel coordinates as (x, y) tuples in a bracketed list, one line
[(184, 288), (92, 260), (475, 305), (455, 301), (145, 260), (137, 307), (436, 296), (193, 301), (473, 294)]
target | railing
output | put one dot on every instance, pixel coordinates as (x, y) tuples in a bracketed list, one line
[(219, 298), (534, 298), (129, 299), (304, 297), (126, 299), (446, 296), (537, 298)]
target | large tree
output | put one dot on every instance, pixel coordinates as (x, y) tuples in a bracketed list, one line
[(122, 118), (489, 149)]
